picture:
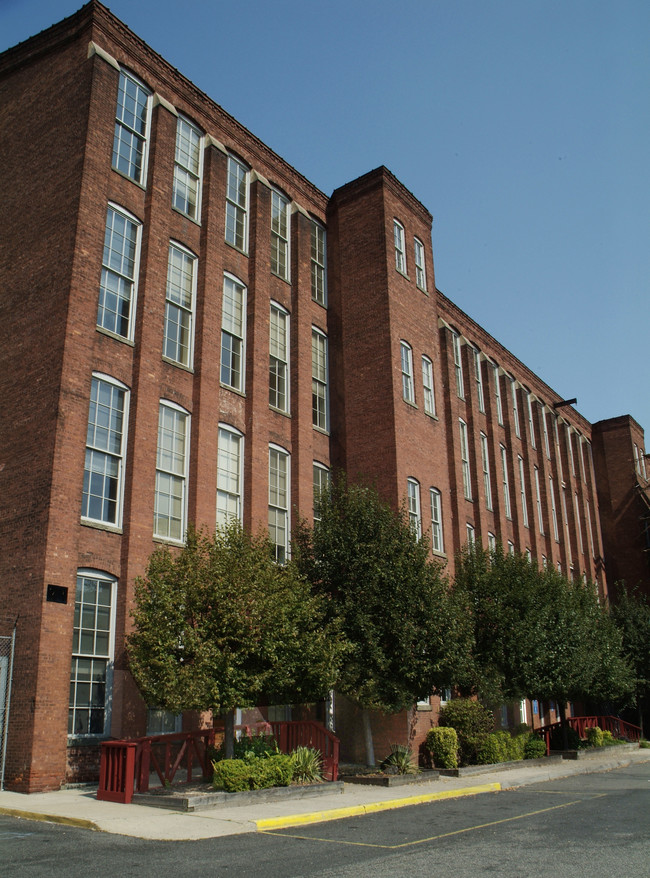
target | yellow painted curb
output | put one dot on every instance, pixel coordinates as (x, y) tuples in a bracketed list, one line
[(49, 818), (269, 823)]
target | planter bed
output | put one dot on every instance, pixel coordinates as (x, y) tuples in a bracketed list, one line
[(198, 798), (392, 780), (468, 770), (591, 752)]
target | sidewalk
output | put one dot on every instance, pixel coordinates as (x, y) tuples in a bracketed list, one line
[(79, 807)]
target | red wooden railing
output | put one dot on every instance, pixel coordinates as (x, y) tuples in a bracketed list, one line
[(618, 727), (126, 766)]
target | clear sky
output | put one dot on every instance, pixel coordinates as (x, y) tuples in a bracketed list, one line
[(522, 125)]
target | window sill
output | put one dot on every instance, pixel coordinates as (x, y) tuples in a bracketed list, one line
[(403, 274), (186, 216), (321, 430), (322, 304), (87, 740), (168, 541), (425, 708), (236, 248), (279, 277), (438, 554), (411, 404), (232, 389), (431, 416), (101, 525), (178, 365), (116, 336), (278, 411), (124, 176), (422, 290)]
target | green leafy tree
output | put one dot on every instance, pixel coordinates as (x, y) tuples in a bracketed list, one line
[(391, 600), (218, 624), (631, 613)]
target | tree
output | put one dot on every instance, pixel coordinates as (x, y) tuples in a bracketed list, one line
[(631, 613), (537, 634), (390, 599), (220, 625)]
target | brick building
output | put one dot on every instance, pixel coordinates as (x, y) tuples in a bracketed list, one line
[(193, 331)]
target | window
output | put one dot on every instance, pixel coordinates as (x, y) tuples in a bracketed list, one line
[(511, 547), (547, 447), (318, 264), (415, 517), (505, 482), (408, 391), (186, 196), (233, 329), (427, 387), (522, 489), (400, 250), (529, 555), (321, 483), (237, 204), (590, 531), (531, 421), (319, 387), (179, 307), (556, 532), (170, 502), (132, 120), (492, 542), (485, 462), (558, 455), (515, 407), (471, 536), (569, 449), (279, 358), (458, 364), (279, 235), (544, 562), (581, 456), (117, 290), (92, 654), (538, 498), (478, 375), (279, 481), (105, 451), (230, 446), (464, 456), (420, 269), (436, 521), (497, 393), (581, 548)]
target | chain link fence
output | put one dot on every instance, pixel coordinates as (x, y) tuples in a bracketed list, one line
[(7, 644)]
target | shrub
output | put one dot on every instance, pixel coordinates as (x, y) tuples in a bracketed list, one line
[(307, 765), (472, 722), (534, 748), (258, 745), (644, 745), (517, 744), (252, 773), (400, 758), (595, 737), (493, 749), (557, 742), (442, 743)]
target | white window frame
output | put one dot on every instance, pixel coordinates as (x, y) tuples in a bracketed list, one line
[(547, 445), (428, 391), (497, 394), (531, 421), (233, 331), (101, 448), (320, 403), (414, 509), (437, 536), (279, 500), (538, 500), (188, 169), (85, 653), (581, 548), (237, 204), (515, 406), (406, 358), (279, 339), (400, 246), (174, 474), (492, 542), (478, 376), (120, 269), (321, 479), (230, 475), (280, 235), (458, 364), (464, 457), (420, 265), (471, 535), (569, 448), (511, 547), (556, 529), (505, 481), (558, 452), (522, 494), (180, 306), (590, 529), (485, 462), (131, 132), (319, 263)]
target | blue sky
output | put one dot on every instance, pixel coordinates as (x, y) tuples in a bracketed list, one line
[(522, 125)]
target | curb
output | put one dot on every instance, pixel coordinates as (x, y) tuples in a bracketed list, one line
[(270, 823), (79, 822)]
